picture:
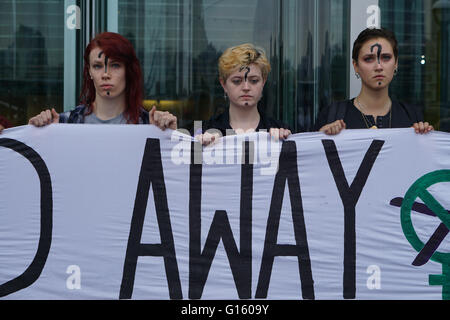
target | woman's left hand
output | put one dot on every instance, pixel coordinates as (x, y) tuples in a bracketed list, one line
[(279, 134), (422, 127), (163, 119)]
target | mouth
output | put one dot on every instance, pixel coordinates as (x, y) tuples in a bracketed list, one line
[(246, 97), (379, 77), (106, 87)]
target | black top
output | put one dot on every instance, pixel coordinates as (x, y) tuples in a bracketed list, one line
[(403, 116), (221, 122)]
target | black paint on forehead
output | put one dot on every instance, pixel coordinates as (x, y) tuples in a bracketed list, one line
[(380, 48), (246, 73), (106, 60)]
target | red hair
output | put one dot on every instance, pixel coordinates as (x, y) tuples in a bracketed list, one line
[(5, 122), (119, 48)]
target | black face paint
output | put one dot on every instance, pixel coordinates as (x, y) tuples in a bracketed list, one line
[(106, 60), (106, 66), (380, 48), (245, 76)]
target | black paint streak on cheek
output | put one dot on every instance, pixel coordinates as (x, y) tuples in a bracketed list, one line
[(380, 48)]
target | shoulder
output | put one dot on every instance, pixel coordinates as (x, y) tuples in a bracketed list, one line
[(220, 121), (74, 116), (414, 112), (268, 123), (334, 111)]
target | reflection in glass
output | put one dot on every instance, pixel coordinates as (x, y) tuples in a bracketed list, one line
[(31, 57), (422, 29), (179, 42)]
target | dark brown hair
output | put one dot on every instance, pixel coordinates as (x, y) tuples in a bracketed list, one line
[(373, 33)]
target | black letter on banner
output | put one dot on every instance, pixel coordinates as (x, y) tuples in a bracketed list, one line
[(34, 270), (240, 262), (350, 196), (151, 173), (287, 171)]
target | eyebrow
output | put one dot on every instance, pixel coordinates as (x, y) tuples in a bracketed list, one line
[(96, 60), (374, 55)]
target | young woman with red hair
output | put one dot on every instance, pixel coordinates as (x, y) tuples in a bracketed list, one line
[(112, 90)]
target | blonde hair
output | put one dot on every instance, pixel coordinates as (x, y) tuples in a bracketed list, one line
[(240, 57)]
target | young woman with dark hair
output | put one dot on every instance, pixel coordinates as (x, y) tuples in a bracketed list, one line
[(112, 89), (375, 61)]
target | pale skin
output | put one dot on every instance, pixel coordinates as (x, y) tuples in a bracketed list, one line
[(376, 75), (110, 85), (244, 94)]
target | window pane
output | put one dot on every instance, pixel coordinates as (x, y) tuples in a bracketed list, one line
[(31, 57), (422, 29), (315, 51), (179, 42)]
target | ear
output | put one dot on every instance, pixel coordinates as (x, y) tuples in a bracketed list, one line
[(222, 83), (355, 66)]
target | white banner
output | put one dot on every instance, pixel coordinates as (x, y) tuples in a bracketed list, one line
[(121, 212)]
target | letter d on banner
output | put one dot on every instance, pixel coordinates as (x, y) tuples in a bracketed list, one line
[(32, 273)]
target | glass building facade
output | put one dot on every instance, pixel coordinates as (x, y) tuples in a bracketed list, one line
[(178, 42)]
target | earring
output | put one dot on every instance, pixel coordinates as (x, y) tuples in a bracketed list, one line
[(357, 75), (225, 96), (395, 71)]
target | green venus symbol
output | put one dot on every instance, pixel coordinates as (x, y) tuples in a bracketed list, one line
[(431, 207)]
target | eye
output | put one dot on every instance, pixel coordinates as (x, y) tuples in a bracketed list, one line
[(236, 81), (386, 57), (115, 65), (254, 81), (97, 66), (368, 59)]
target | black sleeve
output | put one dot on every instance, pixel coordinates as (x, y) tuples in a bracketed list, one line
[(414, 112)]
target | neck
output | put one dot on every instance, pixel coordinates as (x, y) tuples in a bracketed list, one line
[(244, 118), (110, 108), (376, 102)]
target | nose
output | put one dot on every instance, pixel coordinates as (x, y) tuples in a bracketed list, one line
[(106, 74), (246, 86), (379, 65)]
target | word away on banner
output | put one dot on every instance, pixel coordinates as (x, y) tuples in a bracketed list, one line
[(241, 252)]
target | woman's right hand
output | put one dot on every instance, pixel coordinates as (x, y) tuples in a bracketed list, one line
[(208, 138), (333, 128), (45, 118)]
